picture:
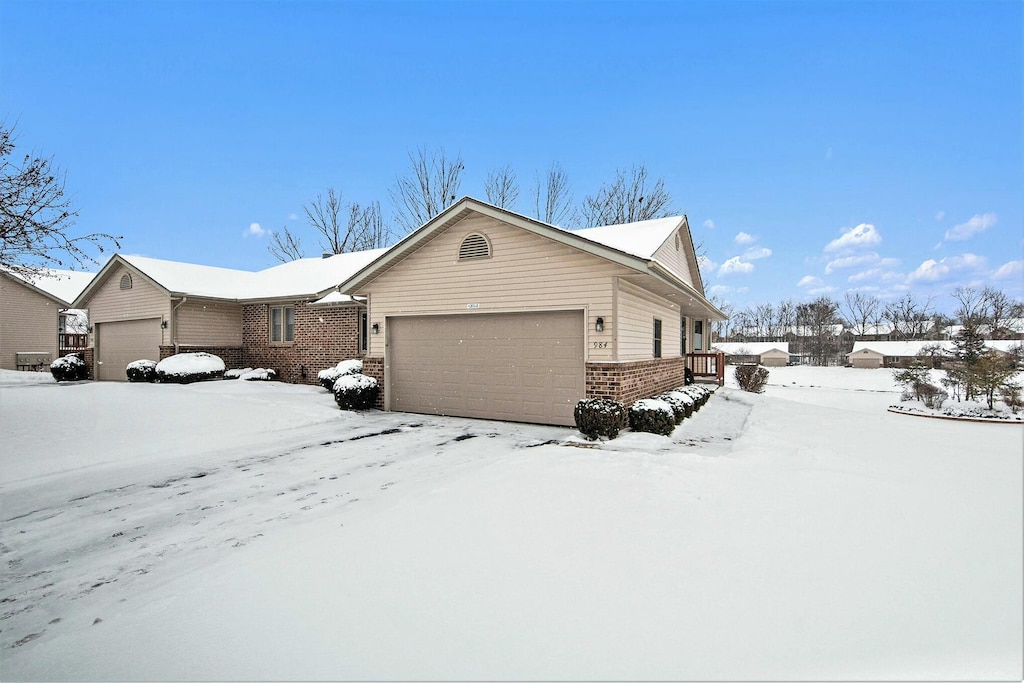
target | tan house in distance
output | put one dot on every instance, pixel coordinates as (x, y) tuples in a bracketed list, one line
[(31, 316), (486, 313), (768, 354)]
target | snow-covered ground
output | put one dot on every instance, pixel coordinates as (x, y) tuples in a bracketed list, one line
[(250, 530)]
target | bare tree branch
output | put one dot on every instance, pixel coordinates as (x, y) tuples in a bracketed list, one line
[(285, 246), (862, 310), (36, 216), (552, 199), (627, 199), (501, 187), (428, 190)]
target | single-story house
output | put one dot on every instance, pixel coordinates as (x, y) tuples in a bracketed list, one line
[(769, 354), (286, 317), (891, 354), (32, 316), (483, 312)]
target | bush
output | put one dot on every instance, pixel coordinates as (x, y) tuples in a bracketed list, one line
[(652, 415), (356, 392), (599, 417), (932, 396), (328, 377), (751, 377), (69, 368), (682, 404), (182, 368), (252, 375), (141, 371)]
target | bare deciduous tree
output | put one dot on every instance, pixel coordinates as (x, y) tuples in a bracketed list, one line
[(36, 217), (1001, 309), (552, 200), (818, 318), (428, 190), (285, 246), (502, 188), (910, 318), (862, 311), (627, 199), (973, 306)]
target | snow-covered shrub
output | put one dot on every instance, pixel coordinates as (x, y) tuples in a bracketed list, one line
[(599, 417), (356, 392), (698, 392), (182, 368), (751, 377), (69, 368), (252, 375), (682, 404), (932, 396), (141, 371), (652, 415), (328, 377), (1010, 394)]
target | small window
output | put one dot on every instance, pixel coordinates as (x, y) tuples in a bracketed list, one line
[(682, 335), (698, 335), (282, 324), (363, 339), (126, 281), (657, 338), (473, 247)]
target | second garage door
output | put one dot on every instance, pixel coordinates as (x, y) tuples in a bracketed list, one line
[(520, 367), (120, 343)]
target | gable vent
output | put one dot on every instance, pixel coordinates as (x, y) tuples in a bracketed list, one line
[(126, 281), (474, 246)]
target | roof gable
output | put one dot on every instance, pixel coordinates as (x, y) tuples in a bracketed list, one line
[(61, 286)]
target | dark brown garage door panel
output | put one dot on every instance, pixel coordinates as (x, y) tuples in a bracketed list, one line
[(525, 367)]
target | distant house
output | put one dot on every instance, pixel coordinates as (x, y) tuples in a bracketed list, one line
[(32, 317), (769, 354), (887, 354), (481, 312)]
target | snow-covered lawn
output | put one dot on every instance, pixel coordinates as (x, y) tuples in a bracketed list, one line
[(251, 530)]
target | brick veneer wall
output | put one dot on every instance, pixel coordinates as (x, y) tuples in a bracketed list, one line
[(89, 356), (373, 366), (231, 355), (323, 337), (627, 382)]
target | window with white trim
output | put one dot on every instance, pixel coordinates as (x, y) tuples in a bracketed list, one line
[(698, 335), (657, 338), (282, 324), (363, 331)]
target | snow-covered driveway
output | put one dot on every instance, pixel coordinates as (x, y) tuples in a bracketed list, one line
[(234, 530)]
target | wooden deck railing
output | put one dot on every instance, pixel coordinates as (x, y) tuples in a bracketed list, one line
[(70, 342), (705, 366)]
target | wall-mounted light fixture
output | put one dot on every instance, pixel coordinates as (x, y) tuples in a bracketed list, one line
[(375, 328), (599, 326), (163, 324)]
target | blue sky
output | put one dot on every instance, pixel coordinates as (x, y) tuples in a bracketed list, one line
[(815, 147)]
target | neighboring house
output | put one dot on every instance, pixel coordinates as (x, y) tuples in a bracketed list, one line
[(482, 312), (769, 354), (32, 316), (283, 317), (901, 354)]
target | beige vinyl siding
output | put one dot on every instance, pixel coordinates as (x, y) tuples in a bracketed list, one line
[(525, 272), (28, 323), (637, 309), (209, 323), (774, 359), (110, 303), (675, 259)]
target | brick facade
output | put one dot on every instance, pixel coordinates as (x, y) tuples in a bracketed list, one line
[(373, 366), (627, 382), (231, 355), (323, 337)]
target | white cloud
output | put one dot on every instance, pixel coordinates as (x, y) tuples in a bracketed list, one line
[(735, 265), (850, 262), (706, 264), (876, 274), (715, 290), (293, 216), (940, 215), (818, 291), (709, 224), (1008, 270), (810, 281), (744, 238), (756, 253), (864, 235), (977, 223), (255, 230), (932, 270)]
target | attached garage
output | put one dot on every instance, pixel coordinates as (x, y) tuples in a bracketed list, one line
[(519, 367), (120, 343)]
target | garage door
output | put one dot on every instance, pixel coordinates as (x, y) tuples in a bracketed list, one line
[(120, 343), (521, 367)]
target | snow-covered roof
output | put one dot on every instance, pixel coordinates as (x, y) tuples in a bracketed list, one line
[(640, 239), (750, 348), (66, 285), (914, 348)]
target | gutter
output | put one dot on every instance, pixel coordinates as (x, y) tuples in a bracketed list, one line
[(174, 324)]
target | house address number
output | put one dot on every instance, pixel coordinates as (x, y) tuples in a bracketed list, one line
[(601, 345)]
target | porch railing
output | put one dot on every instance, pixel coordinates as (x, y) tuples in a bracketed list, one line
[(70, 342), (707, 366)]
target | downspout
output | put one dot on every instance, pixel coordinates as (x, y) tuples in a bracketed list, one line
[(174, 323)]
